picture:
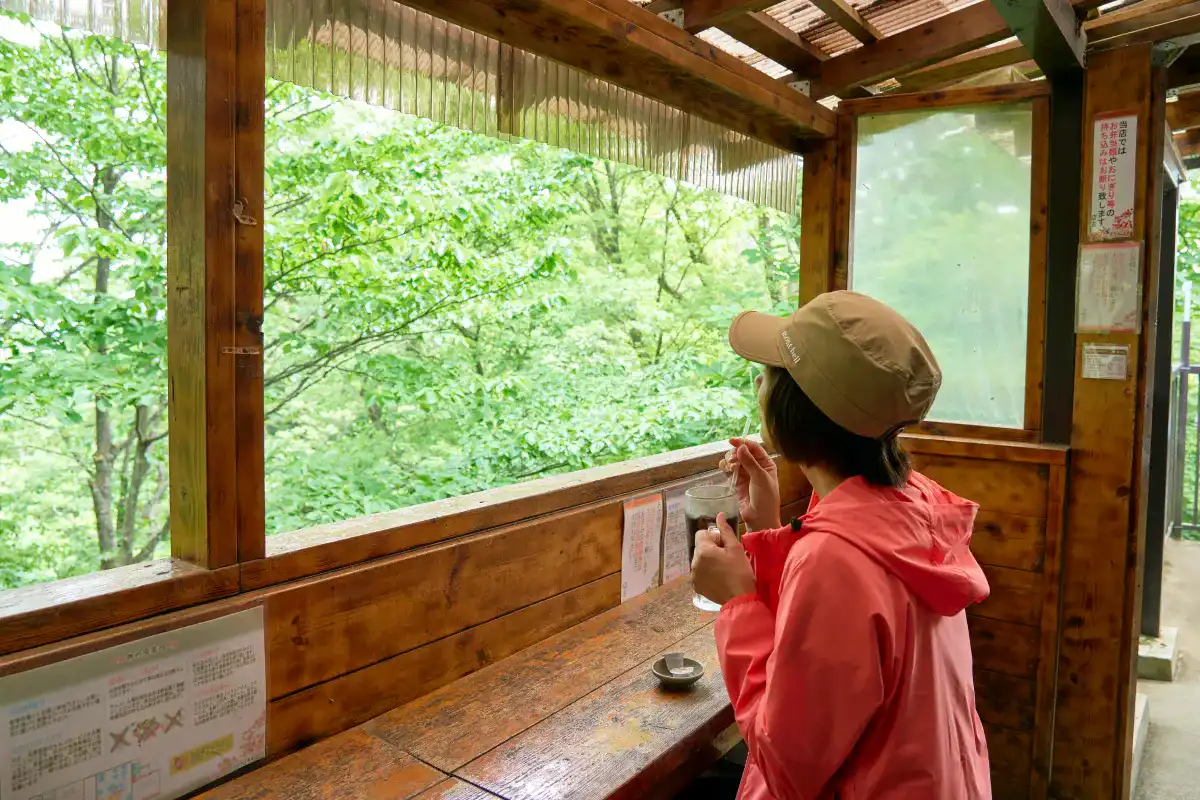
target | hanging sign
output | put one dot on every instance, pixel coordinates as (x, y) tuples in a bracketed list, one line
[(1110, 291), (154, 718), (1114, 168)]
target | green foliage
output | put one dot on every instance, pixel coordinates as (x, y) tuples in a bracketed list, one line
[(445, 312)]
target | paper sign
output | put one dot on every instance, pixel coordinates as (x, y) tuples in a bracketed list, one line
[(1106, 362), (676, 563), (1110, 291), (154, 718), (1114, 162), (640, 545)]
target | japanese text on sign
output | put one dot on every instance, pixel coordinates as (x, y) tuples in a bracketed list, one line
[(1114, 161), (641, 545), (154, 718), (1109, 286)]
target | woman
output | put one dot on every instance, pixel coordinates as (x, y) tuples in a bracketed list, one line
[(843, 638)]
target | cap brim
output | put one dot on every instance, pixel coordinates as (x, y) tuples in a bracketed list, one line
[(755, 337)]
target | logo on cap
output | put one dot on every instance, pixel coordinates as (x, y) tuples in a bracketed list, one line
[(787, 340)]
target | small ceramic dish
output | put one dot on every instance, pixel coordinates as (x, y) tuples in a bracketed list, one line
[(675, 671)]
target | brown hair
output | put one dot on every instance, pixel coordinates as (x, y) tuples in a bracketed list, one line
[(802, 433)]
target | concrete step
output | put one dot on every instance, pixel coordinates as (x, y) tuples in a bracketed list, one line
[(1158, 659), (1141, 732)]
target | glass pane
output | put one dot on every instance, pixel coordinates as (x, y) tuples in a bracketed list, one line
[(448, 312), (941, 233), (83, 384)]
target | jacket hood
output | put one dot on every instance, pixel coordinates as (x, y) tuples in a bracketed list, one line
[(919, 533)]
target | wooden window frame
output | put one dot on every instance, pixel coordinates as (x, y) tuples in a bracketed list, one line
[(1038, 92)]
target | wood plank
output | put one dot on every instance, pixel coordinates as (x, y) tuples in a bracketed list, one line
[(946, 98), (355, 697), (460, 722), (1008, 751), (638, 51), (617, 742), (1016, 596), (944, 37), (1010, 488), (843, 215), (1005, 700), (1039, 215), (201, 155), (1047, 674), (1050, 32), (1188, 142), (818, 205), (1091, 725), (1184, 113), (966, 431), (1009, 540), (849, 20), (699, 15), (955, 69), (50, 612), (1005, 647), (1144, 23), (249, 137), (454, 789), (990, 450), (318, 549), (776, 41), (353, 765), (326, 626)]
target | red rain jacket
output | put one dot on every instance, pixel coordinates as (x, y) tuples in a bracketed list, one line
[(850, 669)]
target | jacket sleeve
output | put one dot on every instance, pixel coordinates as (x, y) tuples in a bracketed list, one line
[(806, 682)]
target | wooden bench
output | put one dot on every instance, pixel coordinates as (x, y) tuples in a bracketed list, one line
[(579, 715)]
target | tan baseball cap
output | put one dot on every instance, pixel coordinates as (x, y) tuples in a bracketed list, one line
[(860, 362)]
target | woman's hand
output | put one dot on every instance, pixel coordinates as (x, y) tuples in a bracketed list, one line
[(757, 484), (720, 569)]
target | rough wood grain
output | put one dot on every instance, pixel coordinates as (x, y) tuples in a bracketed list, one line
[(1047, 672), (945, 98), (818, 207), (955, 69), (351, 766), (777, 42), (1005, 647), (1016, 596), (1184, 113), (326, 626), (944, 37), (1009, 753), (355, 697), (463, 720), (1012, 488), (1009, 540), (987, 450), (616, 742), (849, 20), (454, 789), (1091, 724), (1005, 700), (51, 612), (1039, 206)]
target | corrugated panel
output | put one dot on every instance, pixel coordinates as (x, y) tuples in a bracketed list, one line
[(390, 55), (137, 21)]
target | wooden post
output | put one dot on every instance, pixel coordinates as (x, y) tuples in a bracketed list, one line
[(825, 222), (1094, 715), (213, 317)]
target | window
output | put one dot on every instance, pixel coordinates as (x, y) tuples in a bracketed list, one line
[(448, 312), (941, 232), (83, 400)]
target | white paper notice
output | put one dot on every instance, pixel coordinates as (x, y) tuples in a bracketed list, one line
[(154, 718), (675, 538), (640, 545), (1109, 288), (1106, 362), (1114, 162)]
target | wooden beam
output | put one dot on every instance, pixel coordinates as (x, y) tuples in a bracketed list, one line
[(1188, 143), (945, 37), (1049, 30), (848, 18), (701, 14), (634, 49), (1185, 72), (964, 66), (777, 42), (1145, 24), (1184, 113)]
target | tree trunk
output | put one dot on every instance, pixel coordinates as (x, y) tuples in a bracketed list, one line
[(104, 457)]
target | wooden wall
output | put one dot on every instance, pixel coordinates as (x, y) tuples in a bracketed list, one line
[(350, 643), (1018, 533)]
